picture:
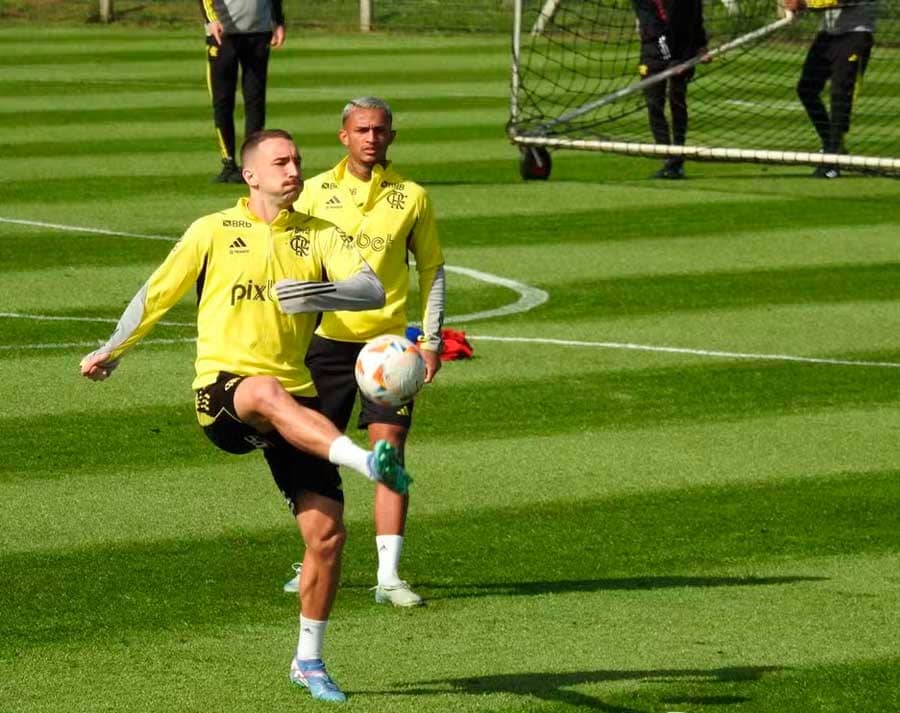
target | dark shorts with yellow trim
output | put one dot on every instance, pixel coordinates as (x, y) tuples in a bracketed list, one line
[(652, 64), (294, 471), (332, 364)]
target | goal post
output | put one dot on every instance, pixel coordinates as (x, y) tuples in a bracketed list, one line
[(575, 85)]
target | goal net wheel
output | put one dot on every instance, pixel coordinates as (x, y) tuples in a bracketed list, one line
[(535, 163)]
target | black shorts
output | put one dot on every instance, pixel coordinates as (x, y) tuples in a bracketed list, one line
[(651, 63), (294, 471), (332, 364)]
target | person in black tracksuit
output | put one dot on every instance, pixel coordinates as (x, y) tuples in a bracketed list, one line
[(839, 54), (239, 35), (672, 31)]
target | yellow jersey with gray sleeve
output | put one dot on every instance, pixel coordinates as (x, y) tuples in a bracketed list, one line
[(259, 286), (387, 218)]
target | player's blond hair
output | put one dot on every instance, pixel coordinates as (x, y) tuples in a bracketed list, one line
[(367, 103)]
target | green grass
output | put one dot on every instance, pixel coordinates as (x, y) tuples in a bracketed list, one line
[(596, 528)]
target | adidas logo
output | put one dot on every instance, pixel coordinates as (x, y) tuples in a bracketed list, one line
[(333, 202), (238, 246)]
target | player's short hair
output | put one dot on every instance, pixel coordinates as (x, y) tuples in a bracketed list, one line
[(367, 103), (257, 137)]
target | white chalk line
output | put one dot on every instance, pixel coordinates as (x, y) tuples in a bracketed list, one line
[(88, 345), (82, 229), (685, 350), (64, 318), (529, 298)]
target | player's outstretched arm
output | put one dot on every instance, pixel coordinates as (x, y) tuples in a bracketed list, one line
[(358, 292)]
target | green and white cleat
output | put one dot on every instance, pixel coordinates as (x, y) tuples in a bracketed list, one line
[(385, 467), (400, 595)]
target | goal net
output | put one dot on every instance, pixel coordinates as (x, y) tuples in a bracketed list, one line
[(575, 84)]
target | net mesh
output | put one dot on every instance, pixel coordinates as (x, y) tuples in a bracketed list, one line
[(574, 53)]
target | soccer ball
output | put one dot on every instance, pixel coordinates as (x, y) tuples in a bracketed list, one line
[(390, 370)]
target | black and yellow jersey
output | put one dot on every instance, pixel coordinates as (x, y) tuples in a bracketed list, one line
[(235, 259), (388, 218)]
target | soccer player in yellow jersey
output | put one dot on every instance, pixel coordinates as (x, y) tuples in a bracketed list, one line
[(262, 272), (389, 219)]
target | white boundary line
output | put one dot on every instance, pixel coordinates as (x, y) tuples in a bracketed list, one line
[(60, 318), (89, 345), (684, 350), (529, 298), (79, 229)]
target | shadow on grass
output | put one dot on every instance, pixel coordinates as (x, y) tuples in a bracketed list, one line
[(501, 589), (558, 687), (654, 541)]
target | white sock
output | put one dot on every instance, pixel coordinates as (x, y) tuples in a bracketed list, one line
[(312, 634), (343, 451), (389, 548)]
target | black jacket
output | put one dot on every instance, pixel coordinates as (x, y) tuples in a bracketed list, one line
[(679, 21)]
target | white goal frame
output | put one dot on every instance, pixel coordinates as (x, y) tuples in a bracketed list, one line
[(535, 137)]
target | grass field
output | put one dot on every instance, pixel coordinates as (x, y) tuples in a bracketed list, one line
[(673, 526)]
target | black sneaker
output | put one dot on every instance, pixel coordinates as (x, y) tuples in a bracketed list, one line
[(828, 172), (230, 173), (671, 170)]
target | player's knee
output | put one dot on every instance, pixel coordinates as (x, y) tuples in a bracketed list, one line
[(265, 394), (327, 545)]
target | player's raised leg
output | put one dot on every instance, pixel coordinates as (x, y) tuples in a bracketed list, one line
[(261, 402)]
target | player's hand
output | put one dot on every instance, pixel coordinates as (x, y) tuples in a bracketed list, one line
[(96, 366), (216, 31), (703, 54), (432, 364), (277, 36), (794, 5)]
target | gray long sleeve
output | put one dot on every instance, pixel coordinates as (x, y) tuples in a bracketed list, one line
[(360, 292)]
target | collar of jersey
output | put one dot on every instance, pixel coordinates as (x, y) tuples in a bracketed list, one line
[(380, 176), (283, 216)]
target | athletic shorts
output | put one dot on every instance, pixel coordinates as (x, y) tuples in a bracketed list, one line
[(293, 470), (332, 365), (651, 63)]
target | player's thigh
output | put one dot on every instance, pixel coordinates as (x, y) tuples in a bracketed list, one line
[(816, 66), (849, 57), (218, 416), (253, 53), (331, 364), (223, 65)]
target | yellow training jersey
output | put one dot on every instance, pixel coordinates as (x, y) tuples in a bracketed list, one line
[(387, 218), (234, 259)]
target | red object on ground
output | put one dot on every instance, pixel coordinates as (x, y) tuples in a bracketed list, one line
[(456, 346)]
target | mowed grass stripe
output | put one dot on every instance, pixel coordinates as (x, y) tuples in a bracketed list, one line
[(617, 224), (180, 74), (592, 400), (421, 112), (309, 59), (668, 294), (194, 168), (631, 543), (308, 139)]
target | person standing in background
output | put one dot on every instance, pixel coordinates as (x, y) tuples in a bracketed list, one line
[(239, 36)]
